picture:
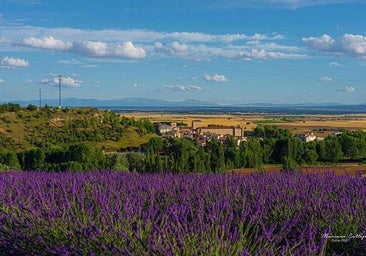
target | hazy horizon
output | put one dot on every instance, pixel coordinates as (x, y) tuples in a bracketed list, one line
[(236, 52)]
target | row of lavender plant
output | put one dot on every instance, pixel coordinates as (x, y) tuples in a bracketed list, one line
[(111, 213)]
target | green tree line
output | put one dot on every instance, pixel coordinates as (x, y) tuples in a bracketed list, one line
[(69, 145), (268, 145)]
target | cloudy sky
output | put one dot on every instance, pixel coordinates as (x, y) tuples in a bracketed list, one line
[(228, 52)]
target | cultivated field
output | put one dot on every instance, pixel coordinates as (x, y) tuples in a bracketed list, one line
[(321, 125), (247, 122)]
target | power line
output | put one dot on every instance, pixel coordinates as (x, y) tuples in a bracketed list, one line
[(59, 91), (40, 98)]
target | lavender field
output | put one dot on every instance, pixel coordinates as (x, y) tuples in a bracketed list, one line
[(115, 213)]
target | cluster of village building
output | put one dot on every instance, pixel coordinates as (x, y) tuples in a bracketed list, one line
[(203, 134)]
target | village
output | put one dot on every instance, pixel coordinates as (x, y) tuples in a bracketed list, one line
[(220, 133)]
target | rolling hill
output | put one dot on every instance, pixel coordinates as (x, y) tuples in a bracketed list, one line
[(27, 128)]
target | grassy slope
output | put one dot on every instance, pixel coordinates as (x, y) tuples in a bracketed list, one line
[(27, 128), (130, 139)]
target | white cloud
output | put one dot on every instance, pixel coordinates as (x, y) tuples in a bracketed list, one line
[(4, 40), (158, 46), (136, 85), (355, 44), (71, 61), (100, 49), (10, 62), (270, 46), (349, 89), (189, 45), (182, 88), (44, 81), (89, 66), (224, 38), (128, 50), (112, 35), (325, 79), (97, 84), (88, 48), (177, 47), (67, 81), (2, 81), (49, 43), (348, 44), (264, 55), (205, 52), (334, 64), (323, 43), (215, 78)]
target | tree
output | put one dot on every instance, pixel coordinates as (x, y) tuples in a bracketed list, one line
[(310, 156), (136, 162), (150, 164), (267, 151), (31, 107), (289, 164), (9, 159), (33, 159), (321, 150), (87, 156), (232, 157), (216, 152), (118, 162), (293, 149), (333, 150), (155, 144), (252, 154), (183, 152), (352, 144)]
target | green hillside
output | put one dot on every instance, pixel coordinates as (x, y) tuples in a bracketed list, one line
[(29, 128)]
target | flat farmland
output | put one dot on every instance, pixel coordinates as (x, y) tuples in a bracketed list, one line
[(321, 125), (246, 122)]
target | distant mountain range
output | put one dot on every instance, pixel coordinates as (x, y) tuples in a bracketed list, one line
[(196, 105), (128, 102)]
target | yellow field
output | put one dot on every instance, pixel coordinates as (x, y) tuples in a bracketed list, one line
[(321, 125), (246, 122)]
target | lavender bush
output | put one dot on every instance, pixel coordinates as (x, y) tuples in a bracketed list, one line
[(111, 213)]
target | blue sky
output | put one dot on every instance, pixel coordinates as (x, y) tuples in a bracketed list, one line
[(227, 52)]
